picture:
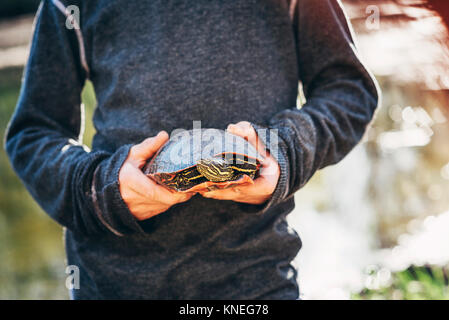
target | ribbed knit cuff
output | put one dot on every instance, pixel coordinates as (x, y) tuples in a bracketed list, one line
[(278, 150), (108, 203)]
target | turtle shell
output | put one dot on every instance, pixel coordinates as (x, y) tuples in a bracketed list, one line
[(185, 148)]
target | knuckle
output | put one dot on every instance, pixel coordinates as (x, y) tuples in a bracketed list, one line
[(150, 193), (125, 196), (147, 144), (245, 125), (187, 195), (180, 197), (185, 198), (133, 151), (126, 171), (123, 176)]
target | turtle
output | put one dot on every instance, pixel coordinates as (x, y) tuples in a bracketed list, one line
[(204, 159)]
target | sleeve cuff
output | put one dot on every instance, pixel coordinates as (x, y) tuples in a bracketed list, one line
[(274, 145), (108, 204)]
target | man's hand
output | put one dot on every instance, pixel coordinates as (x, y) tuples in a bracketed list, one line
[(144, 197), (264, 185)]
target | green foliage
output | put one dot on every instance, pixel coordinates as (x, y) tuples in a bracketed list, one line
[(414, 283), (90, 101)]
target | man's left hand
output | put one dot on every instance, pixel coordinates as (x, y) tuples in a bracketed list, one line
[(265, 184)]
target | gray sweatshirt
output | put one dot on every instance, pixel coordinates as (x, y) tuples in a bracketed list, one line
[(159, 65)]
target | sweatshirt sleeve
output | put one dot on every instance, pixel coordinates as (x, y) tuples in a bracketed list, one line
[(43, 142), (341, 98)]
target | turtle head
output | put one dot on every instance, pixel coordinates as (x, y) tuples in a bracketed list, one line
[(215, 169)]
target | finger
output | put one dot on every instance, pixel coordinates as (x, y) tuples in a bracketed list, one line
[(148, 147), (245, 130), (223, 194), (148, 188), (139, 182), (270, 169), (263, 185), (145, 187), (169, 197), (182, 196), (242, 129)]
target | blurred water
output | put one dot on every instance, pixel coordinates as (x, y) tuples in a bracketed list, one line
[(385, 204), (338, 240), (369, 210)]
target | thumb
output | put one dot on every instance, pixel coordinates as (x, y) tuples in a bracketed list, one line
[(245, 130), (148, 147)]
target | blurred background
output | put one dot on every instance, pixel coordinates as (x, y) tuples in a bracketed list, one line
[(375, 226)]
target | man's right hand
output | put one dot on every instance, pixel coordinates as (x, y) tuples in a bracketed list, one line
[(144, 197)]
